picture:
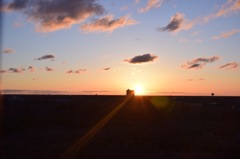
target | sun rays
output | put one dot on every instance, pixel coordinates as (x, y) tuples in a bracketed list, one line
[(73, 151), (139, 90)]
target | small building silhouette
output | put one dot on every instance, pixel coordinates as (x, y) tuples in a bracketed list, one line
[(130, 92)]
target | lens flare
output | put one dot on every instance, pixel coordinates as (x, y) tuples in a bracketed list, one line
[(139, 89)]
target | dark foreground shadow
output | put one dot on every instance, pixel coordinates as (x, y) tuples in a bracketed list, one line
[(116, 127)]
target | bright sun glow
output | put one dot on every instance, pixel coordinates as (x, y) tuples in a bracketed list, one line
[(138, 89)]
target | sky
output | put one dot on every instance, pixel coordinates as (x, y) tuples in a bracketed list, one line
[(157, 47)]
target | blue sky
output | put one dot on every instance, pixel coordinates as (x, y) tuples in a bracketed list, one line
[(107, 46)]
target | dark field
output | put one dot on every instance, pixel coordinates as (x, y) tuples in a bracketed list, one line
[(118, 127)]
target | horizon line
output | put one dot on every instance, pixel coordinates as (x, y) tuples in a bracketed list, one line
[(97, 92)]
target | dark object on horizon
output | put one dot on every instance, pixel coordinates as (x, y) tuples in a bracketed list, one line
[(130, 92), (212, 94)]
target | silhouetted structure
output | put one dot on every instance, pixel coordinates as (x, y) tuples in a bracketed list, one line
[(130, 92), (212, 94)]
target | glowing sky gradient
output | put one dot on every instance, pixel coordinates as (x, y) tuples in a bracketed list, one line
[(168, 47)]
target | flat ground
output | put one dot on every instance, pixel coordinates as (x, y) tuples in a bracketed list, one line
[(64, 127)]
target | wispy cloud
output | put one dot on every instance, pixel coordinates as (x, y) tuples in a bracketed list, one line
[(16, 70), (226, 34), (178, 22), (49, 69), (46, 57), (145, 58), (195, 33), (230, 7), (8, 51), (183, 40), (151, 4), (192, 79), (124, 8), (137, 1), (70, 71), (79, 71), (229, 66), (17, 24), (52, 15), (2, 71), (199, 63), (108, 24), (31, 69), (106, 69)]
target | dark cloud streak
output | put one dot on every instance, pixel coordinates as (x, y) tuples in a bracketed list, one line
[(79, 71), (174, 24), (49, 69), (46, 57), (107, 68), (229, 66), (16, 70), (8, 51), (141, 59), (2, 71), (199, 63)]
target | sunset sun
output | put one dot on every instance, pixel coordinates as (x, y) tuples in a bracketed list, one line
[(139, 89)]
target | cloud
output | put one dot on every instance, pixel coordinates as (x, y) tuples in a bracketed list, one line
[(226, 34), (70, 71), (151, 4), (49, 69), (16, 70), (141, 59), (206, 60), (52, 15), (137, 1), (18, 24), (183, 40), (191, 79), (17, 5), (2, 71), (229, 66), (106, 69), (79, 71), (124, 8), (231, 6), (195, 33), (195, 65), (8, 51), (31, 69), (199, 63), (46, 57), (107, 24), (178, 22)]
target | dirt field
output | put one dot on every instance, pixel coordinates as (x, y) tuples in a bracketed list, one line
[(52, 127)]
